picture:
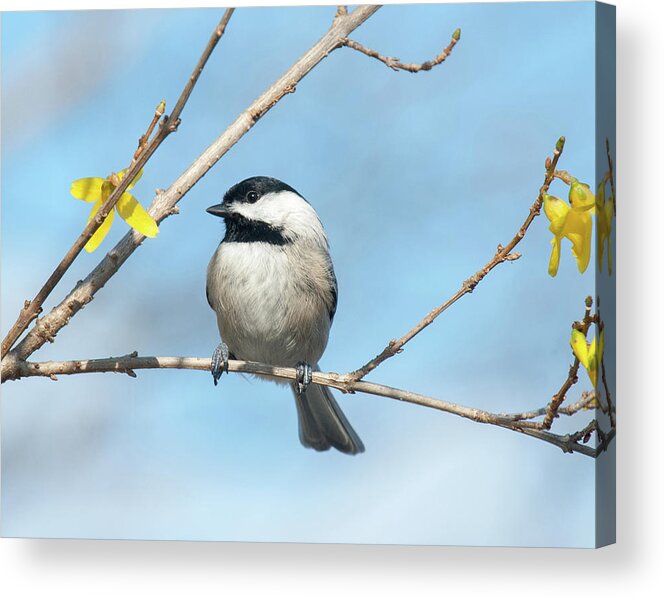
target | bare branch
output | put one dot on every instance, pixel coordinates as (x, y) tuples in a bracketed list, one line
[(503, 254), (608, 395), (165, 202), (560, 397), (603, 374), (130, 363), (395, 63), (31, 309), (174, 119), (145, 138), (588, 400), (611, 172), (564, 176)]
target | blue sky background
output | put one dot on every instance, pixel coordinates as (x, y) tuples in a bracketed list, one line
[(417, 178)]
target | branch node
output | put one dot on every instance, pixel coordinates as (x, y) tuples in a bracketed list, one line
[(566, 444), (471, 283), (342, 11)]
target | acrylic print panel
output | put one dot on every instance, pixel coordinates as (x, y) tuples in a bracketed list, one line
[(417, 169)]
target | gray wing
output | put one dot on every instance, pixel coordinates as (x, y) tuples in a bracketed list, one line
[(333, 292)]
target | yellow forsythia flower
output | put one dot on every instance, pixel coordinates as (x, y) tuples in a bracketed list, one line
[(98, 190), (590, 355), (573, 223), (604, 216), (580, 196)]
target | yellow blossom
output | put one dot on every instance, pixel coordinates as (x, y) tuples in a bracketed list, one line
[(573, 223), (580, 196), (590, 355), (604, 216), (98, 190)]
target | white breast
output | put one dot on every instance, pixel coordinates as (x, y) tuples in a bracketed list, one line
[(272, 302)]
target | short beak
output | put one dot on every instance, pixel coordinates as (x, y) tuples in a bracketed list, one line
[(219, 210)]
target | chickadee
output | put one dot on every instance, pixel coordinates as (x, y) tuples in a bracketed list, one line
[(272, 285)]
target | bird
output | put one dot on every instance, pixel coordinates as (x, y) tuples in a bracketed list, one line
[(272, 286)]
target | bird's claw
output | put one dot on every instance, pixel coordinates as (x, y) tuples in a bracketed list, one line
[(303, 376), (220, 362)]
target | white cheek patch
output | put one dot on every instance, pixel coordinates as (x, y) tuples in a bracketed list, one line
[(286, 211)]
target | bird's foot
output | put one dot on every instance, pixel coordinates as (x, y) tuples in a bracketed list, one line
[(220, 362), (303, 376)]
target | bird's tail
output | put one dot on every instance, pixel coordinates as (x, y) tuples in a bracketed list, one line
[(321, 423)]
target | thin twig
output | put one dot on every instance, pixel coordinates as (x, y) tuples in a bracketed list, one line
[(165, 203), (503, 254), (608, 395), (555, 402), (396, 65), (174, 118), (31, 309), (605, 440), (588, 400), (603, 375), (128, 364), (143, 140), (564, 176), (584, 435), (611, 172)]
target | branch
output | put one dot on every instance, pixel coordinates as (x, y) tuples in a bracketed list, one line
[(560, 397), (342, 11), (396, 65), (611, 172), (31, 309), (564, 176), (608, 394), (588, 400), (568, 443), (503, 254), (164, 204)]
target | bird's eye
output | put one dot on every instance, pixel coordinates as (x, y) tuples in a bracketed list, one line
[(252, 196)]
